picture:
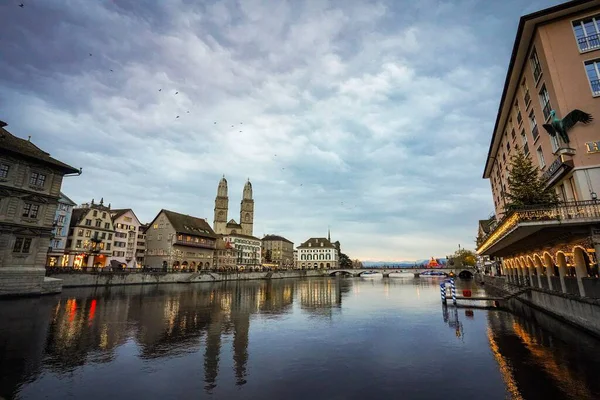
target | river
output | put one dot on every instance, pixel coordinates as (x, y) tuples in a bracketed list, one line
[(318, 338)]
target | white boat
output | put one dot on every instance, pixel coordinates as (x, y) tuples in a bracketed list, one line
[(401, 274), (371, 275), (433, 274)]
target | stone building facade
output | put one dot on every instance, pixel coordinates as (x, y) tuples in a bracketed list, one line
[(60, 233), (246, 250), (91, 236), (278, 250), (30, 184), (176, 242), (317, 253), (220, 224), (125, 244), (140, 248)]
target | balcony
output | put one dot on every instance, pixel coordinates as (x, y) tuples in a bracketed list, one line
[(531, 227), (589, 42), (206, 245)]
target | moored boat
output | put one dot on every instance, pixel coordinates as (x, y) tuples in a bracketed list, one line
[(433, 274)]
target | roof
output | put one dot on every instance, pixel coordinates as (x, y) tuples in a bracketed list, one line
[(117, 213), (525, 33), (65, 200), (316, 242), (241, 235), (189, 225), (276, 238), (26, 149), (485, 224), (77, 215), (233, 224)]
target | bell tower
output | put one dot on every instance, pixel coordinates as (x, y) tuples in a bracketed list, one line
[(247, 210), (221, 207)]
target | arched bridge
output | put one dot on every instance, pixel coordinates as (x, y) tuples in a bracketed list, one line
[(386, 271)]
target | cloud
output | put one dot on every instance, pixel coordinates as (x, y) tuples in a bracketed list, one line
[(372, 117)]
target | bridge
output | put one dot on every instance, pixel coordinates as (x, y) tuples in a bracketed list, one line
[(386, 271)]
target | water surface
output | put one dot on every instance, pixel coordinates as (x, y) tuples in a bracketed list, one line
[(337, 338)]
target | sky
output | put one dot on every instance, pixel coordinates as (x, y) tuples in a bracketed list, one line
[(371, 118)]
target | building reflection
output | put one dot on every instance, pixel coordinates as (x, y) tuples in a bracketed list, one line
[(321, 297), (519, 341)]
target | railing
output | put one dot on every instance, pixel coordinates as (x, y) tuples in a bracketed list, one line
[(160, 270), (207, 245), (567, 211), (595, 86), (588, 42)]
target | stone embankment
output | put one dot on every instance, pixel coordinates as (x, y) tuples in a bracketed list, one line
[(581, 312)]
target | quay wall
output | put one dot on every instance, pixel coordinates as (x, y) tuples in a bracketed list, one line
[(579, 311), (115, 279)]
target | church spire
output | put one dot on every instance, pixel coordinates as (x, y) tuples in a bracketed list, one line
[(221, 207), (329, 234)]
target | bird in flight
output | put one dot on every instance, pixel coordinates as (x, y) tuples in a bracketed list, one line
[(21, 5), (176, 92), (177, 117), (159, 90)]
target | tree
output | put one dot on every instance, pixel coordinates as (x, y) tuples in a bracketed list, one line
[(464, 257), (345, 261), (525, 187)]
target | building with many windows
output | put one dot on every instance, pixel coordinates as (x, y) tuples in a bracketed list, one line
[(30, 184), (58, 241), (176, 242), (317, 253), (246, 250), (91, 232), (127, 227), (140, 248), (554, 66), (278, 250)]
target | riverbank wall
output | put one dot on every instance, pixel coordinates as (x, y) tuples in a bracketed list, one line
[(578, 311), (116, 279)]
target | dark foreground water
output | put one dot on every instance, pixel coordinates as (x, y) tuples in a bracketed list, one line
[(288, 339)]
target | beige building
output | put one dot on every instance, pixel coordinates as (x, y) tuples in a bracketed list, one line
[(91, 232), (140, 248), (176, 242), (125, 244), (278, 250), (30, 183), (220, 224), (246, 250), (225, 255), (317, 253), (554, 66)]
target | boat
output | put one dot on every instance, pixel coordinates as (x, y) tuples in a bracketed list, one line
[(433, 274), (371, 275)]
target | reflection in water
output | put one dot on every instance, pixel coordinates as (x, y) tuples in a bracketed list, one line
[(278, 339)]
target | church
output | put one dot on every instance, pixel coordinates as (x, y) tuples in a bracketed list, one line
[(246, 225)]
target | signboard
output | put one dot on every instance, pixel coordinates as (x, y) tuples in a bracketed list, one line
[(593, 147)]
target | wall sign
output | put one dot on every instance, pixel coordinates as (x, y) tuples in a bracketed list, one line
[(593, 147)]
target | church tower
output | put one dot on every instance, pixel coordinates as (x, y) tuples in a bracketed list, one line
[(221, 207), (247, 210)]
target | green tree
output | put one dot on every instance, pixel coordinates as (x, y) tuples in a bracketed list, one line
[(464, 257), (345, 261), (525, 187)]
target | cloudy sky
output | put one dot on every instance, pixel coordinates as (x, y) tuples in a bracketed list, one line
[(372, 117)]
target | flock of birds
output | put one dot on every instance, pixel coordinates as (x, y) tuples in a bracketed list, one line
[(215, 123)]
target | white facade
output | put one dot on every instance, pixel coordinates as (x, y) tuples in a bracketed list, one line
[(247, 249), (317, 253), (127, 228)]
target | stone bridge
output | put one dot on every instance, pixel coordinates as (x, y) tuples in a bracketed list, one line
[(386, 271)]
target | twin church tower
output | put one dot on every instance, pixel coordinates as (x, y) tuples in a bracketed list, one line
[(221, 225)]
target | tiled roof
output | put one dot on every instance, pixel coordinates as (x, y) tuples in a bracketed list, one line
[(189, 225), (24, 148), (233, 224), (485, 224), (316, 243), (64, 199), (117, 213), (276, 238)]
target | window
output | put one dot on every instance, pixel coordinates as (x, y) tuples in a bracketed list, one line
[(159, 236), (525, 144), (110, 236), (37, 179), (526, 96), (103, 235), (507, 146), (535, 65), (30, 210), (95, 213), (545, 102), (533, 124), (155, 226), (555, 144), (519, 116), (98, 223), (88, 222), (540, 156), (79, 232), (61, 219), (88, 233), (586, 33), (593, 74), (103, 215), (107, 225), (107, 246), (22, 245), (4, 170), (78, 244)]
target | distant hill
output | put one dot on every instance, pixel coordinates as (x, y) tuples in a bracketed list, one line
[(369, 264)]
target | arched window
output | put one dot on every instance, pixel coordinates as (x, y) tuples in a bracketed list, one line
[(328, 256), (303, 257), (309, 256)]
